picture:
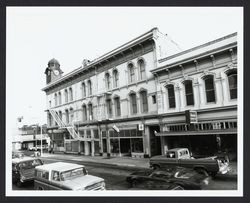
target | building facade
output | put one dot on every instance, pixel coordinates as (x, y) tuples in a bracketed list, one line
[(145, 97), (108, 106), (197, 95)]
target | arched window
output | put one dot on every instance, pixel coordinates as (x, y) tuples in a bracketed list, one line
[(232, 81), (70, 94), (71, 115), (117, 106), (209, 88), (83, 90), (55, 99), (89, 87), (59, 98), (90, 107), (107, 80), (84, 112), (115, 78), (144, 101), (133, 103), (66, 95), (131, 70), (171, 96), (60, 115), (142, 70), (67, 116), (189, 92)]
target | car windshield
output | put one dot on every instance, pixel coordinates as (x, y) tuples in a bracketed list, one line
[(73, 173), (30, 164)]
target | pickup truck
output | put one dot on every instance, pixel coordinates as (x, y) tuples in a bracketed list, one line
[(181, 157)]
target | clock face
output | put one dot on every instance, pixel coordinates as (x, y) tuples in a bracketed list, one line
[(56, 72)]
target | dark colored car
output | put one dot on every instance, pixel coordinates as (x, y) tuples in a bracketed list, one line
[(155, 184), (23, 169), (186, 178)]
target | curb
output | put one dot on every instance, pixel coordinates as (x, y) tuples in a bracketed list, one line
[(127, 166)]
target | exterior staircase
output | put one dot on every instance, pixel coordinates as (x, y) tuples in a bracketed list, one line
[(61, 124)]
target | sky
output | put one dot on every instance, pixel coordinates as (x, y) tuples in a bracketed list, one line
[(70, 34)]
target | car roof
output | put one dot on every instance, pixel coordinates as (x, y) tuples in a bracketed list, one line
[(177, 149), (23, 159), (59, 166)]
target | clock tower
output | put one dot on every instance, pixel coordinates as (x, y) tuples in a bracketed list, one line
[(53, 71)]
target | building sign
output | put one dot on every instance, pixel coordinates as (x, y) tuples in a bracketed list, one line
[(140, 127), (116, 128), (191, 117)]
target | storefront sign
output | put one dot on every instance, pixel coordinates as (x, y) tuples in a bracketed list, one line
[(116, 128), (191, 116), (140, 127)]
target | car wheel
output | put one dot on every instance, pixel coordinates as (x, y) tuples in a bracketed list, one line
[(18, 183), (133, 183), (156, 167)]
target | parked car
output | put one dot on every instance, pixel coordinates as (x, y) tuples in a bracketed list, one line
[(17, 154), (184, 177), (155, 184), (23, 169), (38, 148), (66, 176), (181, 157)]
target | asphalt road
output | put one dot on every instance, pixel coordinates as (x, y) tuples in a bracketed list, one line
[(115, 177)]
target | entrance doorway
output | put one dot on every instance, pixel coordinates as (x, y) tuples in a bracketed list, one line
[(155, 141), (125, 146)]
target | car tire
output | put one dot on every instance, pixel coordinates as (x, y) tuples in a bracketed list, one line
[(133, 183), (156, 167), (19, 183)]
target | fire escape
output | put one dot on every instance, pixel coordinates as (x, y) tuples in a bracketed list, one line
[(71, 129)]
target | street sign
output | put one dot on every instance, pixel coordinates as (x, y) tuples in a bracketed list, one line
[(191, 117)]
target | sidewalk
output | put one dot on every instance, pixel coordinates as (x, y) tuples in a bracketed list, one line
[(127, 162)]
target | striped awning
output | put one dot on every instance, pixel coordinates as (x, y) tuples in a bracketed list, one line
[(200, 132)]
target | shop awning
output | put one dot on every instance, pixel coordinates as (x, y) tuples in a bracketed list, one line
[(201, 132)]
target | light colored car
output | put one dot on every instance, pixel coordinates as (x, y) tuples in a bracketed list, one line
[(66, 176)]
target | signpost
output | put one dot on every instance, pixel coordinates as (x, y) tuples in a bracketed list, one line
[(191, 117)]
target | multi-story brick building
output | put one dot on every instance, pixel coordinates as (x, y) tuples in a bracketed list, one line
[(109, 105), (201, 81)]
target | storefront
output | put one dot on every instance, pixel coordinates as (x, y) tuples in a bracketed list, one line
[(123, 142), (202, 138)]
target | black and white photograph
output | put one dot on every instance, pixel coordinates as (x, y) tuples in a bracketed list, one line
[(124, 101)]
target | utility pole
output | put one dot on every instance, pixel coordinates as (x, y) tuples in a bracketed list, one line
[(41, 139)]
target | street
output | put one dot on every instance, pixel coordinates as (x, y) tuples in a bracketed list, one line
[(115, 177)]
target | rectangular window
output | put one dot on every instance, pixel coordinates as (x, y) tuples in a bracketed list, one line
[(209, 85), (96, 134), (189, 93), (144, 101), (153, 99), (171, 96), (109, 108), (117, 106), (133, 103)]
